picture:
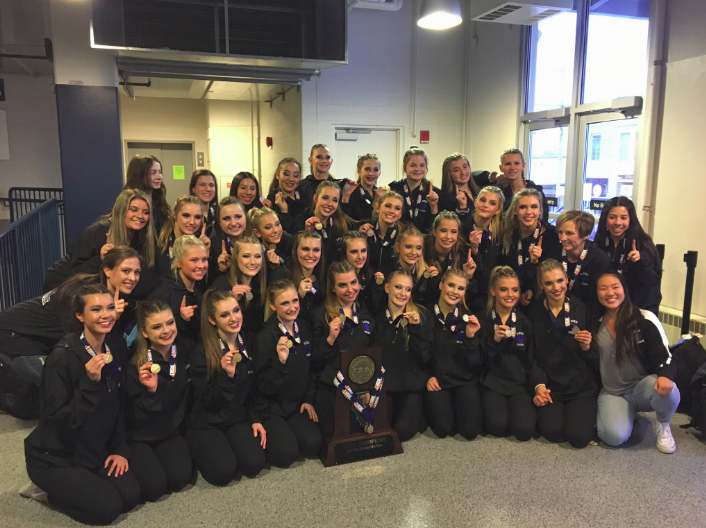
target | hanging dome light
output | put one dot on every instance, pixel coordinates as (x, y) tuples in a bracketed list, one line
[(439, 14)]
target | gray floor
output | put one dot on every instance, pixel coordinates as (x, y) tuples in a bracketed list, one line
[(489, 482)]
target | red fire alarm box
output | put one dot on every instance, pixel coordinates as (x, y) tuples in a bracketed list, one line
[(424, 136), (268, 142)]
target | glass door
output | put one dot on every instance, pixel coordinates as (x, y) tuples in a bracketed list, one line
[(546, 163)]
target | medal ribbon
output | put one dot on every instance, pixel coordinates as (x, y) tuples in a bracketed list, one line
[(512, 321), (366, 195), (565, 263), (485, 236), (567, 316), (367, 414), (621, 251), (353, 319), (241, 349), (413, 208), (535, 239), (172, 359), (389, 236), (455, 319), (392, 321), (110, 369), (324, 228), (296, 339)]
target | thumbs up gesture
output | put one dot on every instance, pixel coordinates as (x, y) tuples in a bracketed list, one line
[(535, 252), (634, 255)]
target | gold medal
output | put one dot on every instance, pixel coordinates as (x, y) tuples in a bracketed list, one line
[(272, 247), (369, 429), (290, 343), (465, 318), (427, 274), (237, 357), (575, 330), (319, 226), (404, 322), (371, 233), (342, 318), (313, 278), (379, 280), (107, 357), (154, 369)]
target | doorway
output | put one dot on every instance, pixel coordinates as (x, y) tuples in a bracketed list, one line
[(353, 142), (177, 164)]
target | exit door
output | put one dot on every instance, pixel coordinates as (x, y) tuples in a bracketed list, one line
[(354, 142), (177, 164)]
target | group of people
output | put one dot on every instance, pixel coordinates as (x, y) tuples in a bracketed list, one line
[(208, 335)]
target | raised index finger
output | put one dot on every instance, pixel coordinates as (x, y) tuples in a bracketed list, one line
[(203, 229), (117, 294), (634, 247), (183, 301), (223, 246), (539, 244)]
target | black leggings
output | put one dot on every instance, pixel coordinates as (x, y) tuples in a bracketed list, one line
[(455, 410), (220, 453), (288, 438), (86, 495), (573, 421), (509, 415), (404, 411), (162, 467)]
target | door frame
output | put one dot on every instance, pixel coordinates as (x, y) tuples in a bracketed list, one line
[(390, 128), (127, 161)]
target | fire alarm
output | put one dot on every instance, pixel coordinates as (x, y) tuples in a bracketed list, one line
[(268, 142), (424, 136)]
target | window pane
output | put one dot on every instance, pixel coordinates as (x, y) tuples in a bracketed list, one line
[(551, 66), (609, 168), (547, 163), (616, 51)]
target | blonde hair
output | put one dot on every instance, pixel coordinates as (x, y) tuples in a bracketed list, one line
[(332, 302), (511, 222), (118, 232), (546, 266), (235, 275), (209, 332), (496, 223), (431, 257), (460, 274), (181, 248), (341, 221), (255, 215), (409, 230), (582, 220), (273, 291), (145, 310), (168, 227), (499, 272), (386, 196)]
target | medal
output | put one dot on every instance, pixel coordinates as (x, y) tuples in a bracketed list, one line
[(108, 358), (379, 280), (364, 414), (249, 296), (237, 358), (155, 368), (427, 274), (342, 318), (508, 333), (465, 318), (319, 226), (371, 233), (511, 321), (272, 247), (404, 322), (575, 330), (535, 239), (313, 279), (290, 343), (369, 428)]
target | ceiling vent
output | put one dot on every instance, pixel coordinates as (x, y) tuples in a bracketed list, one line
[(526, 12)]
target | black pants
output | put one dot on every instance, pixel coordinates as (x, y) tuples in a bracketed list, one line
[(573, 421), (509, 415), (404, 410), (288, 438), (162, 467), (25, 353), (219, 454), (455, 410), (85, 495)]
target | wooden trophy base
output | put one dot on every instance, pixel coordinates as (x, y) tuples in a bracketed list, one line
[(361, 446)]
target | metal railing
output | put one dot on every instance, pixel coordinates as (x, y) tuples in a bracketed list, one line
[(28, 247), (22, 200)]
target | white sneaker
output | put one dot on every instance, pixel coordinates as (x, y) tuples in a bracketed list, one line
[(30, 491), (665, 440)]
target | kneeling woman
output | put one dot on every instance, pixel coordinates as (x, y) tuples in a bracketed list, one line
[(636, 367), (77, 453), (403, 330), (286, 386), (507, 342), (221, 434), (452, 400), (341, 323), (564, 374), (157, 386)]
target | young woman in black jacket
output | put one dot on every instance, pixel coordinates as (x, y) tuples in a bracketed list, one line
[(78, 453), (130, 224), (181, 288), (144, 172), (268, 229), (403, 330), (512, 166), (247, 279), (306, 270), (484, 229), (157, 384), (582, 260), (458, 188), (285, 383), (223, 432), (527, 239), (246, 188), (631, 251), (452, 401), (354, 251), (186, 219), (421, 198), (384, 228), (340, 323), (288, 199), (565, 366), (204, 186), (362, 201), (507, 341), (233, 224), (636, 366)]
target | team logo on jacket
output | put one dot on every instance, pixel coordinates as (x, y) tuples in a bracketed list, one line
[(520, 339), (366, 326), (308, 349)]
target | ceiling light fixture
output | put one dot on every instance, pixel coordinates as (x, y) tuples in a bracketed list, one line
[(439, 14)]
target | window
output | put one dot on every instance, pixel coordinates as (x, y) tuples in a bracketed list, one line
[(592, 61), (595, 148), (551, 68)]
